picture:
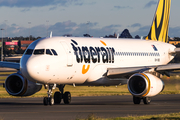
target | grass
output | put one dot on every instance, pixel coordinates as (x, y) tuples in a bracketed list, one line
[(6, 73), (79, 91), (3, 78), (171, 116), (172, 85)]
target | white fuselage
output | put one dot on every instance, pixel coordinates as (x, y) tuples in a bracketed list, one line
[(84, 61)]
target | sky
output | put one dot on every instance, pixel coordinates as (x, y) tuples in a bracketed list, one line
[(77, 17)]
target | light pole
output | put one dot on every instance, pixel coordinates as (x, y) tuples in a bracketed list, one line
[(47, 26), (87, 26), (6, 27), (29, 30), (2, 46)]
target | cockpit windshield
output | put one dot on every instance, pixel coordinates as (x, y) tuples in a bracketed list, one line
[(38, 51), (48, 52), (54, 52), (51, 52), (29, 52), (41, 52)]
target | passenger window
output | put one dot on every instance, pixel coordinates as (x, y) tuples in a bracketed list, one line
[(29, 52), (48, 52), (54, 52), (39, 52)]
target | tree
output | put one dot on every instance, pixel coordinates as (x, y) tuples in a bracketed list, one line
[(6, 50)]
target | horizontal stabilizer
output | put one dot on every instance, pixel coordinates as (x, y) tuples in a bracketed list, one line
[(176, 51)]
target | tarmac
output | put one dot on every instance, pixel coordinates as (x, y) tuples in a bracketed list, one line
[(82, 107)]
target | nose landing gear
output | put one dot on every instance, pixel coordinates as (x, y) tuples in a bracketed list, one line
[(49, 100)]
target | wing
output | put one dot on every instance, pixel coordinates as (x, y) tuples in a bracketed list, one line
[(10, 65), (167, 69), (125, 72), (128, 71)]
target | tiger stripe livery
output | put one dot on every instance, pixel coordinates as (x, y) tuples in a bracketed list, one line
[(160, 25)]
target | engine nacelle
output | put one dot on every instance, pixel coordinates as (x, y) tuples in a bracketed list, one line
[(17, 85), (145, 85)]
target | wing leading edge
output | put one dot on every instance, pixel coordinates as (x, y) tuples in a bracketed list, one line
[(128, 71), (125, 72), (10, 65)]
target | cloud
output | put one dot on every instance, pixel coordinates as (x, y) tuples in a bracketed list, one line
[(142, 31), (53, 8), (61, 28), (69, 27), (25, 10), (136, 25), (150, 3), (38, 3), (174, 31), (122, 7)]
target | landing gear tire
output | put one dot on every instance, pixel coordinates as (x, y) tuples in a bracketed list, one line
[(147, 100), (136, 100), (57, 97), (67, 97), (48, 101), (51, 101), (45, 101)]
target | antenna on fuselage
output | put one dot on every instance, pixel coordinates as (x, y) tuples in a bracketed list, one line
[(50, 35)]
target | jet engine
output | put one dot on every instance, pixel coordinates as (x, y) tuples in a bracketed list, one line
[(17, 85), (145, 85)]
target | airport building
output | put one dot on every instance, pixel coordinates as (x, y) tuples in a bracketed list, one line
[(174, 42), (19, 43)]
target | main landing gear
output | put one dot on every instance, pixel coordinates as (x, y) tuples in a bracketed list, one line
[(57, 96), (61, 95), (137, 100)]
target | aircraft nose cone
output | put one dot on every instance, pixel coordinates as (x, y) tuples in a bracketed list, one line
[(30, 68)]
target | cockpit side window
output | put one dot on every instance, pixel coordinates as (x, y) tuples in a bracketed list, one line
[(39, 52), (54, 52), (48, 52), (29, 52)]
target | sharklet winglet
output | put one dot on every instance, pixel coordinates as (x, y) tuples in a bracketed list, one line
[(50, 35)]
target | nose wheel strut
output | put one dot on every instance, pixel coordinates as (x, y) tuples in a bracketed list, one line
[(49, 100)]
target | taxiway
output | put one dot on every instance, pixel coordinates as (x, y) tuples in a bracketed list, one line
[(82, 107)]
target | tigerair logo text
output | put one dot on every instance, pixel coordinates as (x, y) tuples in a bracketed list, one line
[(92, 54)]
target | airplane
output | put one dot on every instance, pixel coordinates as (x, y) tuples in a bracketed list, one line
[(58, 61)]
